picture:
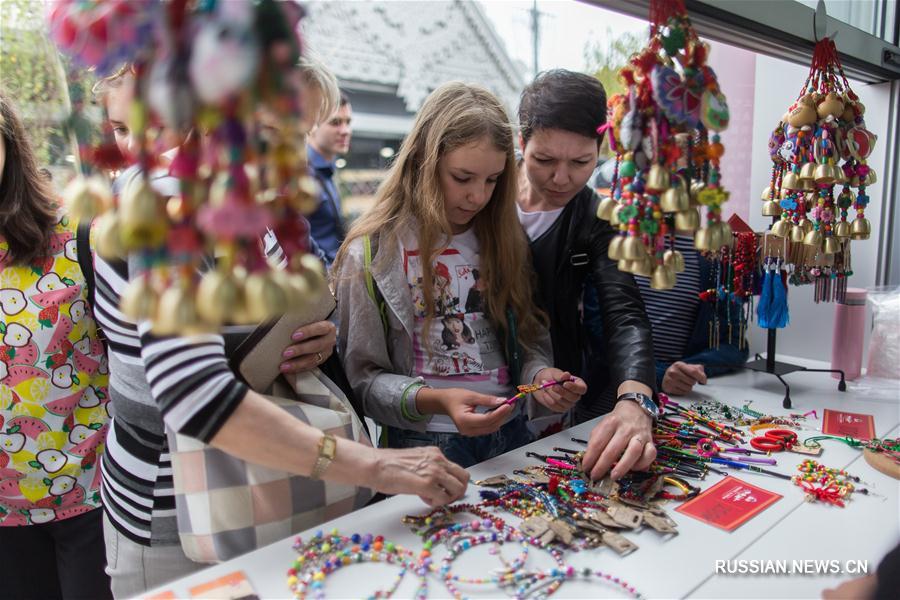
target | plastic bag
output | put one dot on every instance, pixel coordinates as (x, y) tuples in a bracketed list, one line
[(884, 343)]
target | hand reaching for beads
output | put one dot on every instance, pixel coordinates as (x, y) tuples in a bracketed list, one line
[(624, 437), (425, 472), (680, 378), (559, 398)]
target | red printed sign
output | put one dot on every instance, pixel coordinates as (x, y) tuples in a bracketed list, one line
[(861, 427), (729, 503)]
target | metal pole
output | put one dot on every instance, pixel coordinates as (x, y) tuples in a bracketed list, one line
[(770, 351), (535, 35)]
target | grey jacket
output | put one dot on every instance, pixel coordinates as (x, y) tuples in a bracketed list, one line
[(381, 371)]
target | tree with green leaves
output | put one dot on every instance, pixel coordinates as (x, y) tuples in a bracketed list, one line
[(604, 58)]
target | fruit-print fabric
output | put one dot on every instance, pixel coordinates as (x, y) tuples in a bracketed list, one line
[(53, 394)]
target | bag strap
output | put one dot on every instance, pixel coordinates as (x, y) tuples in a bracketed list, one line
[(369, 251), (86, 264)]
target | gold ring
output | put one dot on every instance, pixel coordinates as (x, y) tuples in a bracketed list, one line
[(319, 358)]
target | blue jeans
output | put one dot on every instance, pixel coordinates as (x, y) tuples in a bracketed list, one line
[(464, 450)]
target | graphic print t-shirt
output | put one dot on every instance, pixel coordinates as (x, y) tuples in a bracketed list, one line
[(461, 347)]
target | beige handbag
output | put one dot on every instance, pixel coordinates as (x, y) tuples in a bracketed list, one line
[(226, 506)]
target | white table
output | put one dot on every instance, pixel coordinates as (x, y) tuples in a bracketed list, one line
[(678, 566)]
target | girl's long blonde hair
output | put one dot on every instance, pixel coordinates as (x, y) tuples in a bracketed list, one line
[(410, 198)]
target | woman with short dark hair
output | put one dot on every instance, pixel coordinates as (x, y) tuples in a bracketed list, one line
[(561, 115)]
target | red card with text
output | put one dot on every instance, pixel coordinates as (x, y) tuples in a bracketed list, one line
[(729, 503), (836, 422)]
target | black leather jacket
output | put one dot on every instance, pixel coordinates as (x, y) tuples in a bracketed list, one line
[(573, 249)]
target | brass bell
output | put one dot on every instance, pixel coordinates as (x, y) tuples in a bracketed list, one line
[(314, 272), (663, 278), (177, 312), (839, 175), (614, 219), (782, 228), (142, 221), (139, 300), (219, 297), (824, 174), (643, 267), (861, 229), (109, 236), (297, 288), (813, 238), (703, 239), (687, 220), (797, 234), (806, 225), (633, 248), (871, 177), (832, 245), (696, 188), (265, 298), (808, 171), (671, 200), (842, 230), (615, 248), (624, 265), (727, 234), (809, 185), (771, 209), (791, 182), (766, 194), (675, 260), (85, 197), (657, 178), (605, 208)]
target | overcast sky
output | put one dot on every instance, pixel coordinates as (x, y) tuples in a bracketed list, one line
[(565, 26)]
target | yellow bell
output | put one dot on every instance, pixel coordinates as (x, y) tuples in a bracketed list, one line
[(675, 260), (832, 245), (615, 248), (726, 233), (219, 297), (265, 298), (86, 197), (806, 225), (813, 238), (842, 230), (663, 278), (782, 228), (687, 220), (297, 288), (139, 300), (791, 182), (809, 185), (824, 174), (109, 236), (625, 265), (142, 221), (861, 229), (766, 194), (808, 171), (657, 179), (643, 267), (871, 177), (671, 200), (839, 176), (314, 272), (703, 239), (633, 248), (771, 209), (797, 234), (177, 313), (605, 208)]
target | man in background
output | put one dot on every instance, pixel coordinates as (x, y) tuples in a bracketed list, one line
[(325, 143)]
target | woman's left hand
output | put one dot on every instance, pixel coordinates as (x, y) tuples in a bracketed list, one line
[(559, 398), (314, 344)]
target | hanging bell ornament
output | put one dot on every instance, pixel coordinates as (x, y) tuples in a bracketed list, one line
[(605, 208), (675, 260), (766, 194), (614, 219), (687, 220), (306, 199), (842, 230), (871, 177), (87, 197), (625, 265), (671, 200), (771, 209), (806, 225), (633, 248), (832, 245), (782, 228), (264, 297), (813, 238), (297, 287), (142, 222), (726, 234), (615, 248), (808, 171), (177, 312), (657, 179), (696, 188), (663, 278), (824, 174), (838, 174), (797, 234), (791, 182), (861, 229), (219, 297), (314, 272), (139, 300), (109, 236), (643, 267), (703, 239)]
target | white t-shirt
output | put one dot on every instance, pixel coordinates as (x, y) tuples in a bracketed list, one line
[(538, 222), (461, 347)]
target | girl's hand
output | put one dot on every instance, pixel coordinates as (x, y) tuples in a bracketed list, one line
[(315, 343), (425, 472), (559, 398), (461, 406)]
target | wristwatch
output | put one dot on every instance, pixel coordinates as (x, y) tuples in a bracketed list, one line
[(644, 400), (327, 450)]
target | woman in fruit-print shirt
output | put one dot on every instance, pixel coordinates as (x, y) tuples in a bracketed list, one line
[(53, 377)]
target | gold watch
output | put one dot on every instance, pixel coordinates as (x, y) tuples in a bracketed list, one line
[(327, 450)]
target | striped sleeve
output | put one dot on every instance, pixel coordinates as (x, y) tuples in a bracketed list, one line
[(191, 382)]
